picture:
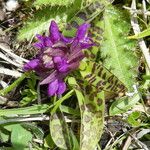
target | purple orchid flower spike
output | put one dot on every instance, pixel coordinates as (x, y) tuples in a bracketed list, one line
[(58, 57)]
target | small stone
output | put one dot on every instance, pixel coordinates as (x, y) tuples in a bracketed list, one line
[(2, 15), (12, 5)]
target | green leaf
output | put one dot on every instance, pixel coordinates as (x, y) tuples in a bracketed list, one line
[(4, 134), (13, 85), (20, 137), (29, 96), (97, 75), (74, 142), (132, 119), (116, 50), (85, 15), (59, 131), (53, 2), (72, 82), (146, 77), (36, 109), (92, 114), (31, 83), (92, 122), (142, 34), (41, 21), (69, 110), (123, 104), (37, 131), (48, 142)]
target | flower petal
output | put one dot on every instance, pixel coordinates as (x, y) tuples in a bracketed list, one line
[(63, 68), (61, 87), (59, 44), (38, 45), (49, 65), (31, 65), (82, 30), (86, 45), (61, 64), (53, 87), (66, 40), (43, 42), (74, 45), (49, 78), (57, 60), (54, 52), (54, 32), (73, 66), (40, 37), (47, 42), (77, 55)]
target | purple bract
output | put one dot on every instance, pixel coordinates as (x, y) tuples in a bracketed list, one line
[(58, 56)]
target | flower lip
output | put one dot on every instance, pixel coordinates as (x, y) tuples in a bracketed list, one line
[(53, 87), (57, 87), (61, 88)]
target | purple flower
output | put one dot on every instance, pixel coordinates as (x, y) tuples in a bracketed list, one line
[(58, 57)]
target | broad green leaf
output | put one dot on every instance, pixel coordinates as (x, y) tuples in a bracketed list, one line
[(53, 2), (85, 15), (36, 109), (97, 75), (142, 34), (72, 82), (123, 104), (92, 121), (41, 21), (48, 142), (117, 51), (4, 134), (37, 131), (10, 126), (29, 94), (59, 131), (20, 137), (92, 114)]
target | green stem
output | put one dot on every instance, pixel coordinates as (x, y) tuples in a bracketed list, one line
[(146, 77), (58, 103), (13, 85)]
